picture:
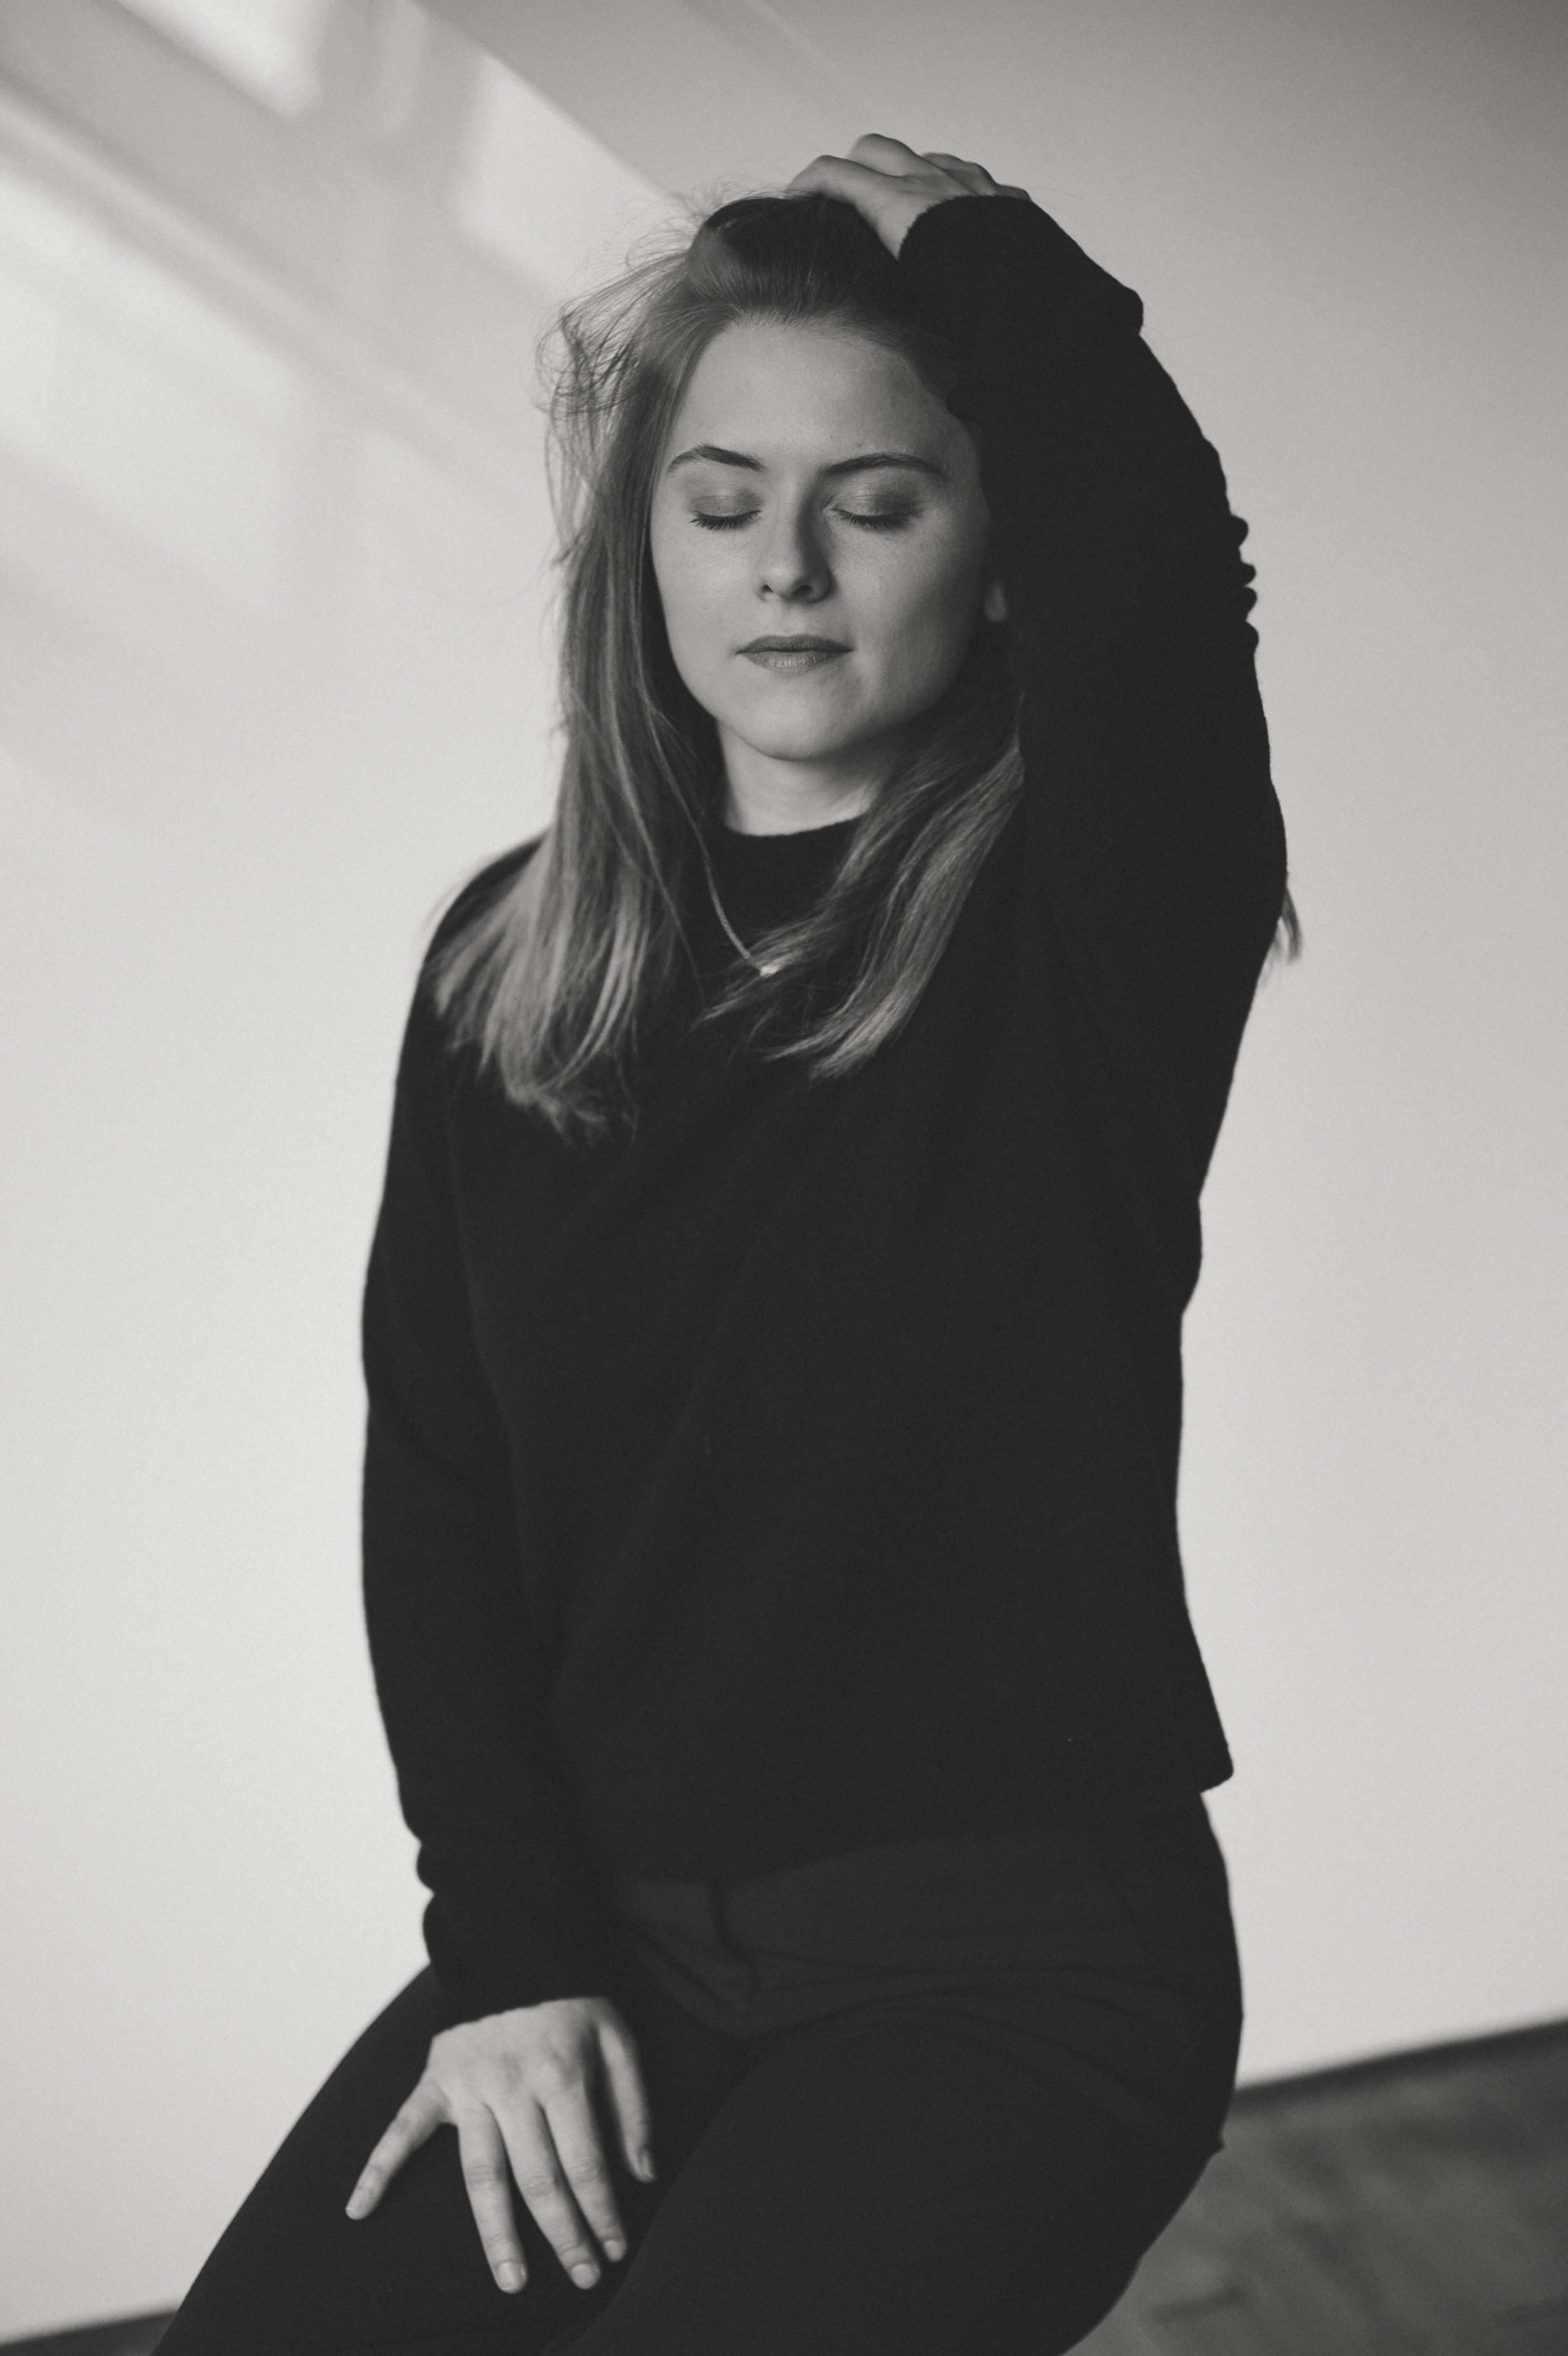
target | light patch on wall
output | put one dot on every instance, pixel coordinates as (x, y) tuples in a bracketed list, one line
[(540, 193), (140, 395), (266, 47)]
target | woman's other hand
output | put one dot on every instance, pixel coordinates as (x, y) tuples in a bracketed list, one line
[(890, 185), (518, 2085)]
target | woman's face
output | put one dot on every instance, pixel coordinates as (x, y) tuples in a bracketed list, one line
[(813, 489)]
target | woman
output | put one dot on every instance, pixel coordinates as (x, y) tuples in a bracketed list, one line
[(773, 1345)]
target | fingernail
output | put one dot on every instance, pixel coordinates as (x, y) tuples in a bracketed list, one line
[(585, 2275), (645, 2165), (356, 2204), (510, 2275), (614, 2248)]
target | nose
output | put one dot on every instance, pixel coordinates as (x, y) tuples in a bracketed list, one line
[(793, 565)]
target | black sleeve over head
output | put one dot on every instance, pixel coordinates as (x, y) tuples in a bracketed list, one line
[(1154, 836)]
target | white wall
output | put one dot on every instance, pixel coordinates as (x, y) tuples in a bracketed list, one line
[(275, 676)]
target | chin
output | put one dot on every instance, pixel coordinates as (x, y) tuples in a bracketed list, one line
[(801, 748), (801, 736)]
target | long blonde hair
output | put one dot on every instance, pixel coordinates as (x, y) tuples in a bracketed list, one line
[(557, 980)]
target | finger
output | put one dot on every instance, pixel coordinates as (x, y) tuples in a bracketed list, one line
[(542, 2184), (628, 2097), (960, 168), (417, 2120), (484, 2157), (581, 2154), (885, 154), (974, 175), (835, 176), (863, 186)]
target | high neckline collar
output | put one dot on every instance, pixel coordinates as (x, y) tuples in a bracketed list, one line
[(836, 830)]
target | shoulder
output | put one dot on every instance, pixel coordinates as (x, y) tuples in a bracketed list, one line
[(477, 896), (433, 1044)]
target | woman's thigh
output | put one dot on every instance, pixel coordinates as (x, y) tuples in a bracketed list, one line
[(891, 2184), (883, 2179), (291, 2272)]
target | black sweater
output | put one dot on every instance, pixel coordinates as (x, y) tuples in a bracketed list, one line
[(800, 1473)]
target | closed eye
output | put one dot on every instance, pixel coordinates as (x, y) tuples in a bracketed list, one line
[(886, 520), (881, 519)]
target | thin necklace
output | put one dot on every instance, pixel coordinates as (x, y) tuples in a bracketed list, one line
[(758, 965)]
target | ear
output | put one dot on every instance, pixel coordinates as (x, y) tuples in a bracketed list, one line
[(993, 605)]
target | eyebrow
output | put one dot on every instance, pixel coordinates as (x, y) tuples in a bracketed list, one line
[(870, 461)]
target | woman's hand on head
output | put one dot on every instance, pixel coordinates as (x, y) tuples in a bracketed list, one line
[(519, 2086), (890, 185)]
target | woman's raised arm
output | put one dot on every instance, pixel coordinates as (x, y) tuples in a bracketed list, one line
[(1153, 833)]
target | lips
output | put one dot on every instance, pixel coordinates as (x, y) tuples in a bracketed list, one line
[(796, 643), (794, 653)]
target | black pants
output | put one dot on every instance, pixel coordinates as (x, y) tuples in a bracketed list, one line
[(966, 2158)]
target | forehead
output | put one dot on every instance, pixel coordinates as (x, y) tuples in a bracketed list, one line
[(784, 393)]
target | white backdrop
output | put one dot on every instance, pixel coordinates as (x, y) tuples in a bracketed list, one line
[(276, 673)]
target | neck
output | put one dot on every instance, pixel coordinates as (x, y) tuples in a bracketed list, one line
[(766, 796)]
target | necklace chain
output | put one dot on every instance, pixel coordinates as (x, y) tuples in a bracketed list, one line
[(758, 964)]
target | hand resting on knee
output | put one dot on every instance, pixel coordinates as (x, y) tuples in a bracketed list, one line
[(519, 2086)]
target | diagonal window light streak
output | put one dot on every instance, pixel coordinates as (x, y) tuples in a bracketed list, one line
[(134, 392), (266, 47), (541, 194)]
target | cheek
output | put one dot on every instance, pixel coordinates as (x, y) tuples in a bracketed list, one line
[(692, 594), (927, 612)]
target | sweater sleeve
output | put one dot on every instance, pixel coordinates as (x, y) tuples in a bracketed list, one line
[(458, 1672), (1153, 834)]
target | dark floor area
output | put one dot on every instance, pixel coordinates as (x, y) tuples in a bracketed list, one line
[(1416, 2203), (1411, 2206), (131, 2335)]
